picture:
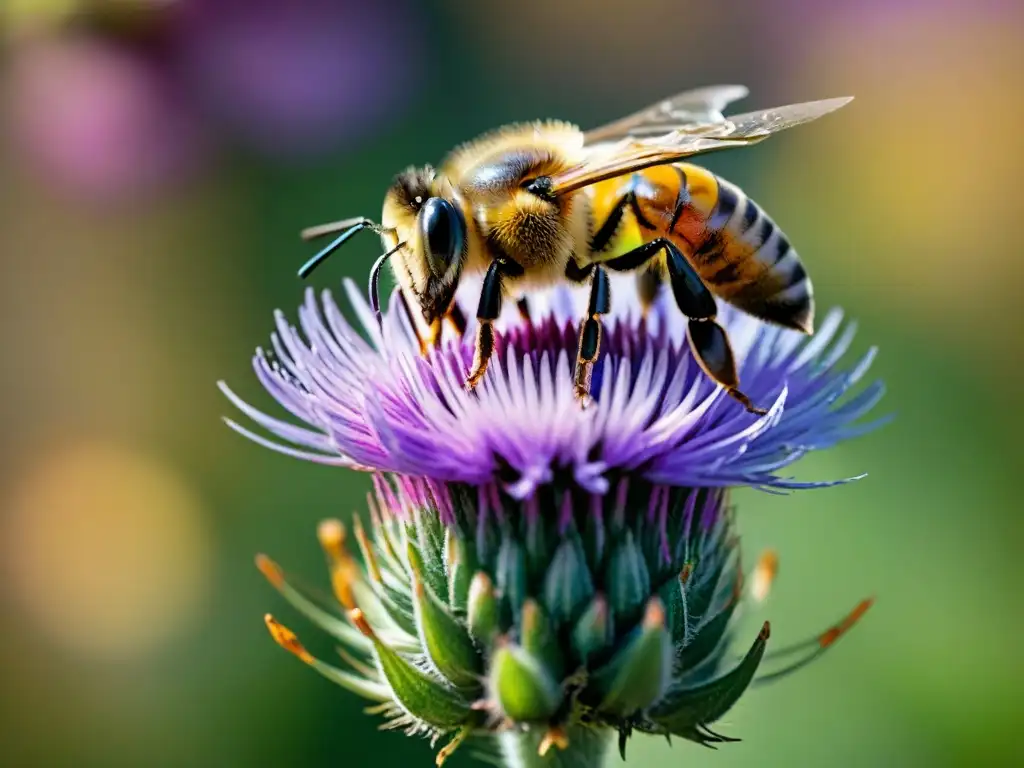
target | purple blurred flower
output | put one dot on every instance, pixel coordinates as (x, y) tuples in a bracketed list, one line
[(128, 100), (299, 77), (808, 12), (537, 572), (377, 404), (96, 119)]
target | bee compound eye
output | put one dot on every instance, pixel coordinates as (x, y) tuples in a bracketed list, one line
[(443, 233)]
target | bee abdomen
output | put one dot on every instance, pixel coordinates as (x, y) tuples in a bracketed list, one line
[(747, 260)]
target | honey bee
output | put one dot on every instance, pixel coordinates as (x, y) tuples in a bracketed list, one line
[(532, 204)]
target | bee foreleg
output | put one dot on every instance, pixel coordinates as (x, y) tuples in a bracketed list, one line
[(433, 339), (413, 324), (458, 319), (523, 305), (590, 333), (482, 353), (708, 339), (487, 312)]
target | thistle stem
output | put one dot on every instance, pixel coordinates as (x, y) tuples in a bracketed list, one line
[(587, 748)]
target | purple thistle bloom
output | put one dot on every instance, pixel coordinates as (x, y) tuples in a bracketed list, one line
[(378, 404), (537, 572)]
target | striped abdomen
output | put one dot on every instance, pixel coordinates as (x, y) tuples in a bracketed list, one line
[(739, 252)]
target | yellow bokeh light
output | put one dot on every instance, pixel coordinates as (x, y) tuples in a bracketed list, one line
[(603, 49), (925, 164), (106, 549), (19, 16), (24, 18)]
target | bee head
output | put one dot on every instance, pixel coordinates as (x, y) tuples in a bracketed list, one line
[(434, 231)]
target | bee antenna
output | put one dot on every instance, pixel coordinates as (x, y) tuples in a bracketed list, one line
[(375, 281), (347, 227)]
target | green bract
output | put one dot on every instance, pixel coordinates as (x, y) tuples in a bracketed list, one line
[(544, 626)]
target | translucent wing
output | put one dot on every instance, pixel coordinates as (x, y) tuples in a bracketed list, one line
[(636, 146), (697, 107), (765, 122)]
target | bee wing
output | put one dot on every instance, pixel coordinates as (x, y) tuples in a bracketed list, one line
[(763, 123), (700, 106), (636, 149)]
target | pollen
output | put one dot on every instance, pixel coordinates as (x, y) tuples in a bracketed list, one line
[(360, 622), (366, 547), (846, 624), (331, 534), (684, 575), (654, 615), (555, 737), (765, 571), (287, 639), (270, 570), (344, 574)]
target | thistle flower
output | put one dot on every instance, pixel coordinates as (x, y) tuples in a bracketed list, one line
[(534, 571)]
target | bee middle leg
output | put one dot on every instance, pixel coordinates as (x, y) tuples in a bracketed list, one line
[(648, 285), (708, 339), (411, 317), (590, 333), (487, 312)]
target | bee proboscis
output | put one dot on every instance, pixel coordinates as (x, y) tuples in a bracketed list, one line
[(531, 204)]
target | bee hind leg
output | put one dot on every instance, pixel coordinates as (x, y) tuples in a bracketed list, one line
[(708, 339), (413, 324), (590, 334), (710, 345), (487, 312)]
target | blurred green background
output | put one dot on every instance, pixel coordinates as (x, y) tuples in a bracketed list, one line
[(158, 159)]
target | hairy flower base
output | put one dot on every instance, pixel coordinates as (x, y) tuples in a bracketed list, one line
[(470, 613)]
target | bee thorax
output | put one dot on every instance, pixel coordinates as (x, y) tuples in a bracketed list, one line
[(528, 237)]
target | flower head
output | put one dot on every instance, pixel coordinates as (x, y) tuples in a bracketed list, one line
[(378, 403), (534, 568)]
